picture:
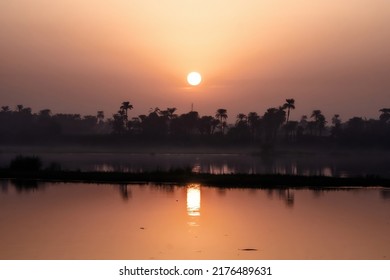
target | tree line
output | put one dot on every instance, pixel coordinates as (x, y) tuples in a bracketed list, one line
[(21, 125)]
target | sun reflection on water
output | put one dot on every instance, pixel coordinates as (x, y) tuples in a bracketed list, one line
[(193, 200)]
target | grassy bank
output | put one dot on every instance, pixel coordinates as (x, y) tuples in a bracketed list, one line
[(187, 177)]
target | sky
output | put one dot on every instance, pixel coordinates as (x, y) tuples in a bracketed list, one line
[(84, 56)]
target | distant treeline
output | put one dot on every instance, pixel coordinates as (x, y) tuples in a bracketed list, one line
[(21, 126)]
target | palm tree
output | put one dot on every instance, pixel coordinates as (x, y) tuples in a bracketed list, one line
[(19, 107), (126, 106), (241, 118), (5, 108), (385, 115), (221, 115), (171, 113), (316, 114), (206, 125), (289, 105), (272, 120), (319, 120), (336, 120), (100, 116), (336, 125), (44, 114), (253, 121)]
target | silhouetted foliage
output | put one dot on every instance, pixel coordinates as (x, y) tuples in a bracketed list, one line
[(221, 115), (272, 121), (289, 105), (21, 126), (26, 163)]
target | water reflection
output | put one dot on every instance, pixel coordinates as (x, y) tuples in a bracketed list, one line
[(26, 185), (4, 186), (193, 200), (125, 192), (385, 193), (286, 195), (299, 164), (90, 221)]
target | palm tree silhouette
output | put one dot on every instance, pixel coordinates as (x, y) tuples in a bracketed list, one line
[(221, 115), (319, 120), (100, 117), (253, 121), (289, 105), (19, 107), (126, 106), (385, 115), (5, 108), (336, 125), (242, 118)]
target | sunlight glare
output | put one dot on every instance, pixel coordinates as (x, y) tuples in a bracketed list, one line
[(193, 200), (194, 78)]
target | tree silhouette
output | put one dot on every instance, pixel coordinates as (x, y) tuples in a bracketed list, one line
[(125, 107), (241, 118), (336, 125), (119, 122), (273, 119), (291, 128), (240, 132), (5, 108), (289, 105), (206, 125), (319, 121), (168, 115), (221, 115), (100, 117), (385, 116), (44, 114), (254, 123), (21, 125), (19, 107)]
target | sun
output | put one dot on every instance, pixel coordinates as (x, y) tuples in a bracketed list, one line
[(194, 78)]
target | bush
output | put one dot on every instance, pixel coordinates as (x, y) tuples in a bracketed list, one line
[(26, 163)]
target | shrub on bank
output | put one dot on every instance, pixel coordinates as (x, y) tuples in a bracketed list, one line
[(26, 163)]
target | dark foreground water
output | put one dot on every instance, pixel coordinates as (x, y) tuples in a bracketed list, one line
[(89, 221)]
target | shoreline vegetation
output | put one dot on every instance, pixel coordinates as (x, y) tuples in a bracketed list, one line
[(186, 176), (30, 169), (265, 131)]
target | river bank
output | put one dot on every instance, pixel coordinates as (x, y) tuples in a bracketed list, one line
[(184, 176)]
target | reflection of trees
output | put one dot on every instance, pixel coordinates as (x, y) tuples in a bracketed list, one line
[(4, 186), (285, 194), (221, 192), (289, 199), (125, 192), (385, 193), (167, 188), (26, 185)]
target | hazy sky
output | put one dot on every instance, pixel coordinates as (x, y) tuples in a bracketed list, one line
[(84, 56)]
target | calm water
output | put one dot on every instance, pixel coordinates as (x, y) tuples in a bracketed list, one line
[(309, 164), (89, 221)]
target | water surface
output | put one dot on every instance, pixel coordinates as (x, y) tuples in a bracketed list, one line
[(339, 165), (90, 221)]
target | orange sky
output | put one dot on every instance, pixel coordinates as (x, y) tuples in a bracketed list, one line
[(83, 56)]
